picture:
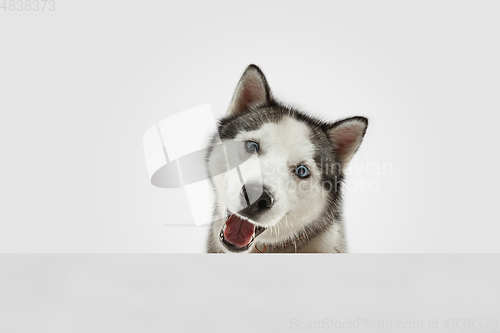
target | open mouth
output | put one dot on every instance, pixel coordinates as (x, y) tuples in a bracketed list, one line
[(238, 233)]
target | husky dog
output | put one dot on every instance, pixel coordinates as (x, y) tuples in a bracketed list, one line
[(295, 204)]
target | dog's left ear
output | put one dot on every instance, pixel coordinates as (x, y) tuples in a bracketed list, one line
[(252, 90), (346, 136)]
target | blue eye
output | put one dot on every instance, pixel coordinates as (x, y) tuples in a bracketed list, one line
[(302, 171), (251, 147)]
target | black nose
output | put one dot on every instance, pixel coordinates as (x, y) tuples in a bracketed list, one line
[(257, 198)]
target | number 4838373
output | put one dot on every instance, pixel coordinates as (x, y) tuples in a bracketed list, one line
[(28, 5)]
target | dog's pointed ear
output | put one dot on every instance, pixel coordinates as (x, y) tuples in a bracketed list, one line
[(345, 136), (252, 90)]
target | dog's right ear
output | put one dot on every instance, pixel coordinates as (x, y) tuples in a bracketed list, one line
[(251, 91)]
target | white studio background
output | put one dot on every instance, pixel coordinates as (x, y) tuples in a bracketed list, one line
[(79, 86)]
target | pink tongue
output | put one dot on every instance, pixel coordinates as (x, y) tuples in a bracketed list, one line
[(238, 232)]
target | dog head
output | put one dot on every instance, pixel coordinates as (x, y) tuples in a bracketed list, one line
[(279, 170)]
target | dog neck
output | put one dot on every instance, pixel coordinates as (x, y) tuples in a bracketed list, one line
[(281, 247)]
